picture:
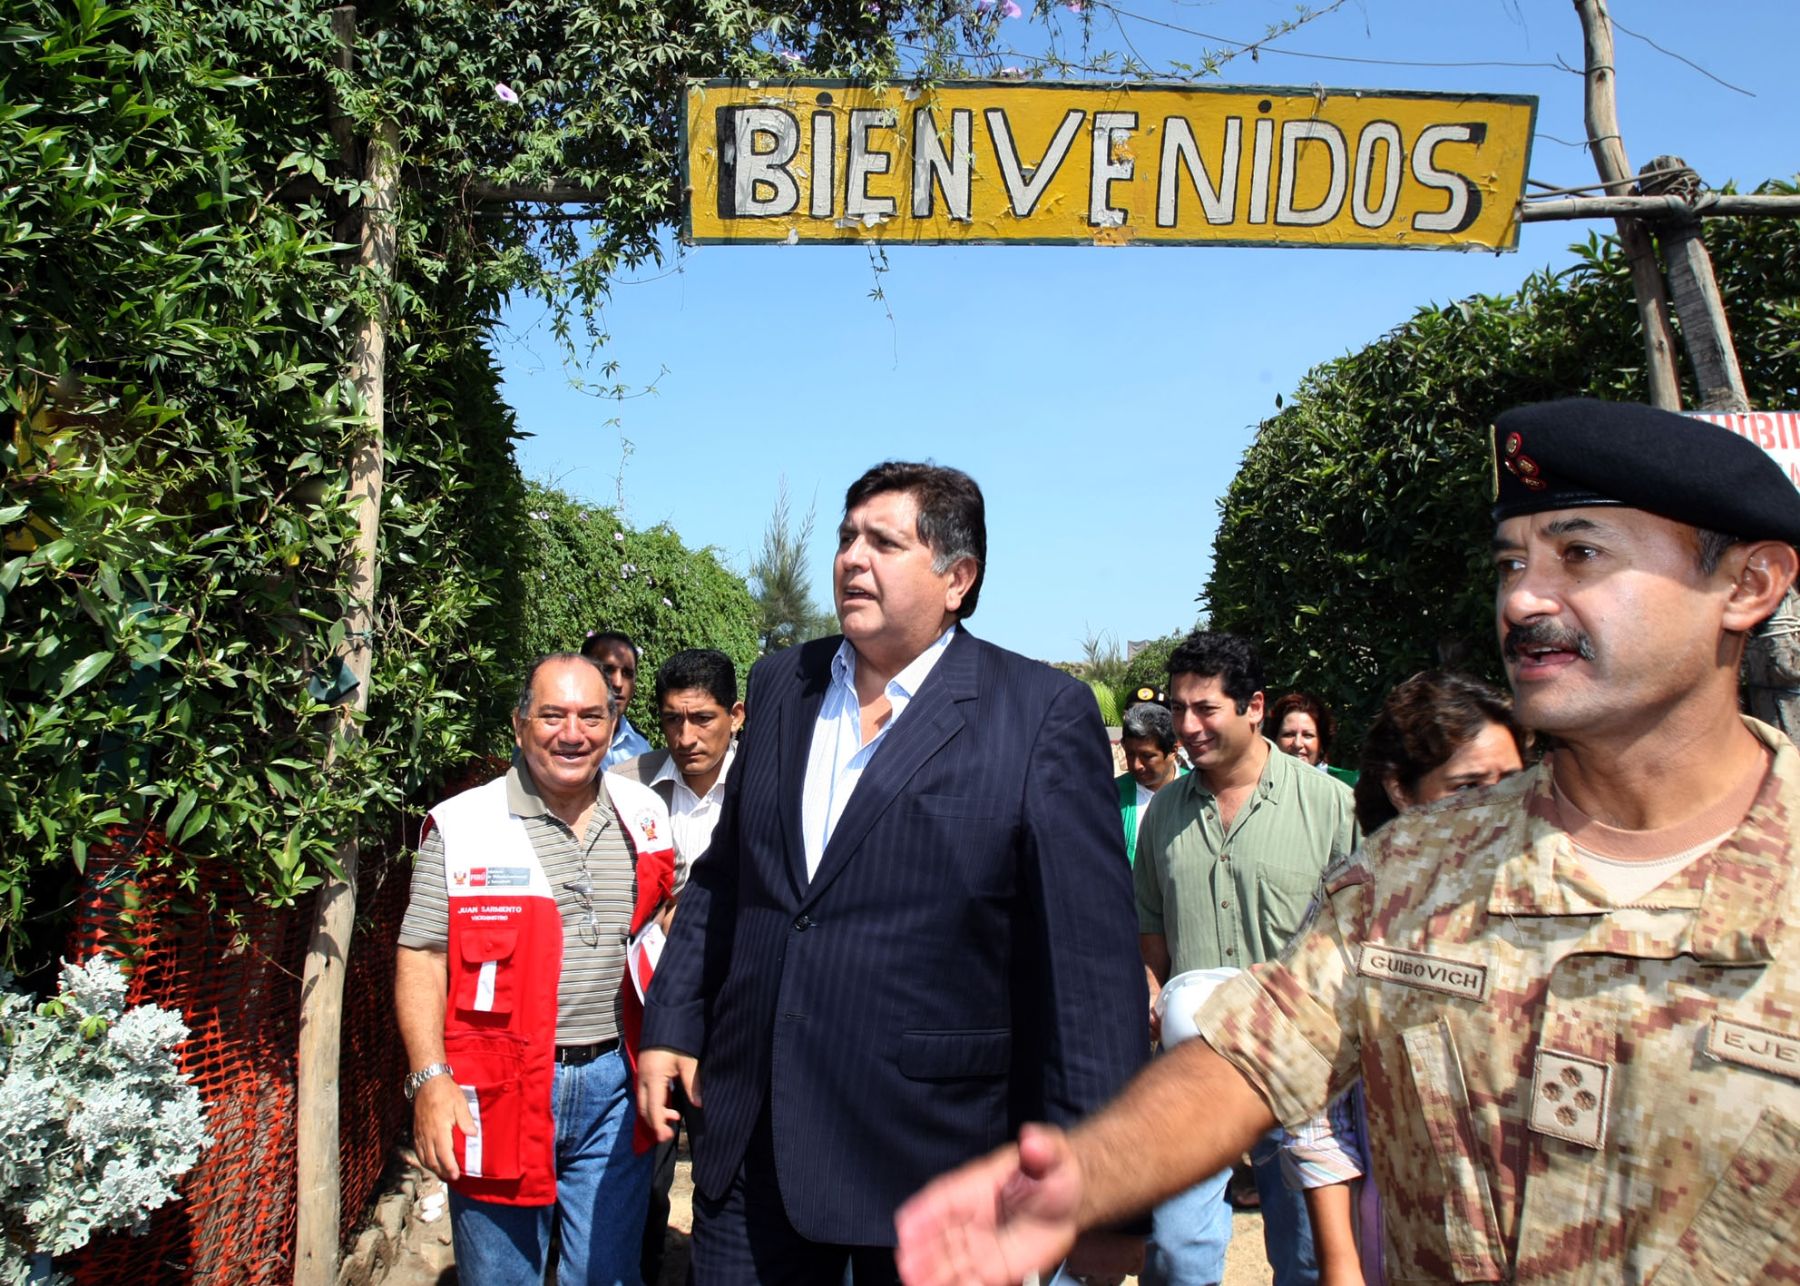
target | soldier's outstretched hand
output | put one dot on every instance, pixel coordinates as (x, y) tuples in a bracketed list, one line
[(995, 1220)]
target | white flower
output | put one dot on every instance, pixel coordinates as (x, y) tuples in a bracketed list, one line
[(504, 92)]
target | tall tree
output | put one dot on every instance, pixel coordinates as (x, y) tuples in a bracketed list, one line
[(783, 588)]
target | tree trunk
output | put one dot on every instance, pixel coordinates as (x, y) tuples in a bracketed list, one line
[(322, 986)]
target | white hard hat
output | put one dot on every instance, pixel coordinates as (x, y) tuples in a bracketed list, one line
[(1181, 999)]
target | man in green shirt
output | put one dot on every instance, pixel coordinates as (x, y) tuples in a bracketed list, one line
[(1228, 859)]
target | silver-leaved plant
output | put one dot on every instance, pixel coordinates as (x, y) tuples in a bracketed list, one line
[(97, 1121)]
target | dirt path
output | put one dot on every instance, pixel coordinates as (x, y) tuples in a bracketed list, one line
[(426, 1257)]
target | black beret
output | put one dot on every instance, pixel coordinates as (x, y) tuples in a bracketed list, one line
[(1582, 451)]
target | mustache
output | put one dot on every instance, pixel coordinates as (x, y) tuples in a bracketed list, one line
[(1546, 634)]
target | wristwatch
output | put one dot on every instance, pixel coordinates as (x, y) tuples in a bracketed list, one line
[(415, 1081)]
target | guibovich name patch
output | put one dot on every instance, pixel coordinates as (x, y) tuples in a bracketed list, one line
[(1416, 969)]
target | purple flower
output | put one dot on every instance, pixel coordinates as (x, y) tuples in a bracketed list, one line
[(791, 55), (1011, 10), (1075, 6), (504, 92)]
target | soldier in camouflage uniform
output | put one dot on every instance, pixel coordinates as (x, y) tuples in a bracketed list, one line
[(1577, 1069)]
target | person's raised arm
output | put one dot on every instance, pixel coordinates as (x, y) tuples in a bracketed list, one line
[(1020, 1209)]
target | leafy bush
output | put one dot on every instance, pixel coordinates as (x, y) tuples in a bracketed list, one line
[(96, 1121), (1378, 477), (582, 569), (176, 417), (1150, 667)]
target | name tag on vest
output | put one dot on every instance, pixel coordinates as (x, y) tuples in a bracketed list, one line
[(1416, 969), (1767, 1051)]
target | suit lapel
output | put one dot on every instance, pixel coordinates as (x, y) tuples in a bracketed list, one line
[(797, 721), (931, 719)]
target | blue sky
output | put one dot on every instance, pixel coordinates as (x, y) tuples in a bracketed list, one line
[(1103, 397)]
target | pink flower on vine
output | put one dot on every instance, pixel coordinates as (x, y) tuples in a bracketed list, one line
[(1075, 6), (505, 93)]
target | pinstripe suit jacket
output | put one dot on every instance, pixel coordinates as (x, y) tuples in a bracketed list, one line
[(964, 960)]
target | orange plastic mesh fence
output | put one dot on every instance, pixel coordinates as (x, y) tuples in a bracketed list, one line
[(234, 973)]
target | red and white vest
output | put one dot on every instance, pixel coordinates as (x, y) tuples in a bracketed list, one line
[(505, 960)]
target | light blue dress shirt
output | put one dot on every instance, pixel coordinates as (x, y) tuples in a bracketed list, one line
[(627, 743), (837, 756)]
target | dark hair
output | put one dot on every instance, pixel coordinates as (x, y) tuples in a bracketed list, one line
[(952, 515), (1423, 722), (524, 703), (1304, 703), (599, 641), (704, 668), (1226, 657), (1147, 719), (1710, 547)]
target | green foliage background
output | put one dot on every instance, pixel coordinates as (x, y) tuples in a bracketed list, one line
[(1150, 667), (180, 183), (584, 570), (1376, 475)]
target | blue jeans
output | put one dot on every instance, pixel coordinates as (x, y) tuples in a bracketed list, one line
[(1188, 1236), (602, 1189), (1190, 1231)]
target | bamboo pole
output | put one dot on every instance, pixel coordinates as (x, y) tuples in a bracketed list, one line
[(1707, 205), (322, 985), (1602, 114)]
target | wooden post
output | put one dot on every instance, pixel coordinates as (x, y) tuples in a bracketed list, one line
[(1602, 113), (1705, 330), (322, 985)]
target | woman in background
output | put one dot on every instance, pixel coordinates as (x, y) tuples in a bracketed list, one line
[(1301, 725)]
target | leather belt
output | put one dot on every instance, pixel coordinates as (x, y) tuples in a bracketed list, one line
[(579, 1055)]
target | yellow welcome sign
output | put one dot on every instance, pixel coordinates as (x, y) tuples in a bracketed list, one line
[(818, 160)]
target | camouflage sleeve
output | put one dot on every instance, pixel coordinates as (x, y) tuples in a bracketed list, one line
[(1290, 1025)]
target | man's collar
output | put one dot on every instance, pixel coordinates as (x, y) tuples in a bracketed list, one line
[(670, 771), (623, 730), (1736, 893), (1273, 774), (843, 664)]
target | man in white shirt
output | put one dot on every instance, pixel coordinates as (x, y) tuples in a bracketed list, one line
[(698, 708)]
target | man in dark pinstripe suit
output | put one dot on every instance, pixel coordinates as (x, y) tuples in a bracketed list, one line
[(914, 928)]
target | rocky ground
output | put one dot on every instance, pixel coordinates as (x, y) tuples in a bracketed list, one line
[(418, 1253)]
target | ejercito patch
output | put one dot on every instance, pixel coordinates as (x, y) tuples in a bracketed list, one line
[(1767, 1051), (1416, 969)]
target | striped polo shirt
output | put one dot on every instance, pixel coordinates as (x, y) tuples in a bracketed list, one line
[(587, 997)]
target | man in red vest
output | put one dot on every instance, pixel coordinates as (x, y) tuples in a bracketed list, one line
[(511, 992)]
